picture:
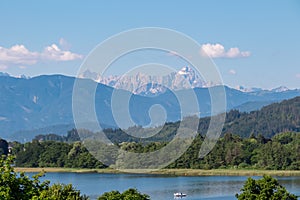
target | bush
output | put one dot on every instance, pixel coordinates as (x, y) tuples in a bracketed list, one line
[(61, 192), (266, 188), (130, 194), (19, 186)]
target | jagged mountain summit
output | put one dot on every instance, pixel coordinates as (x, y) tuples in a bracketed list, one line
[(245, 89), (148, 85), (280, 89)]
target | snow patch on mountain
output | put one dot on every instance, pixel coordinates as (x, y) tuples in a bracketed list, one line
[(280, 89)]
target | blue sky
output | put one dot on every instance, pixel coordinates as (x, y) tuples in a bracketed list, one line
[(53, 37)]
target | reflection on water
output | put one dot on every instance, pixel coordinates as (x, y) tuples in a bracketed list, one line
[(163, 187)]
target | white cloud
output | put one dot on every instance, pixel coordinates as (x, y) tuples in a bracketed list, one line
[(20, 55), (218, 51), (232, 71), (17, 54), (53, 52), (298, 75)]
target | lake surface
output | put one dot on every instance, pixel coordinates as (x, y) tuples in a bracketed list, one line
[(162, 187)]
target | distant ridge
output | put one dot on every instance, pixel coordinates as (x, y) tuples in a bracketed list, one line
[(269, 121)]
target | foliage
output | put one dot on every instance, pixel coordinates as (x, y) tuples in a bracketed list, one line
[(231, 151), (130, 194), (54, 154), (61, 192), (14, 186), (266, 188), (18, 186), (3, 147)]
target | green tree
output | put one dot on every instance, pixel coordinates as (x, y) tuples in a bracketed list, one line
[(18, 186), (15, 186), (113, 195), (3, 147), (61, 192), (80, 157), (130, 194), (29, 154), (266, 188)]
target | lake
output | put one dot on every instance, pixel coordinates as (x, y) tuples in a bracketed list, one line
[(162, 187)]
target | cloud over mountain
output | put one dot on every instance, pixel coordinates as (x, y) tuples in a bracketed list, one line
[(20, 55), (218, 51)]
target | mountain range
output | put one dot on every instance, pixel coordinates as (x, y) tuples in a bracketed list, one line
[(148, 85), (43, 104)]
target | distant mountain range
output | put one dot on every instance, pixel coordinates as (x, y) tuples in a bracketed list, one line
[(42, 104), (149, 85), (146, 85)]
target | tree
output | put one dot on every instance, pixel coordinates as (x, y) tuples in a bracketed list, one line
[(266, 188), (61, 192), (3, 147), (130, 194), (19, 186)]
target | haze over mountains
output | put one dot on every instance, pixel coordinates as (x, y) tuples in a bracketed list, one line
[(44, 103)]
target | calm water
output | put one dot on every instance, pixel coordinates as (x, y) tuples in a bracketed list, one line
[(163, 187)]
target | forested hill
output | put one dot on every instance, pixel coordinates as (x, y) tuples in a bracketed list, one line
[(270, 120)]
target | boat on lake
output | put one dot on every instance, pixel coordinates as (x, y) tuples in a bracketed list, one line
[(179, 195)]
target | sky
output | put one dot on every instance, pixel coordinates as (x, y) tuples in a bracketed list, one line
[(253, 43)]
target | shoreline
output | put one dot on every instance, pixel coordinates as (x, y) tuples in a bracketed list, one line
[(171, 172)]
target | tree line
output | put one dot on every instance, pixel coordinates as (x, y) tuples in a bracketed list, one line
[(231, 151), (256, 152)]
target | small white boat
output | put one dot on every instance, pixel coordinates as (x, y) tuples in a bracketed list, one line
[(179, 194)]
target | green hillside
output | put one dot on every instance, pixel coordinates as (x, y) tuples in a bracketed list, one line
[(270, 120)]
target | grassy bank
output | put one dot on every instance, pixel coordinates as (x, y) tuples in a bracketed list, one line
[(64, 170), (175, 172), (227, 172)]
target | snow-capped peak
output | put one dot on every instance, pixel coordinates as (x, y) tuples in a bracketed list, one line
[(186, 70), (144, 84), (244, 89), (280, 89)]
